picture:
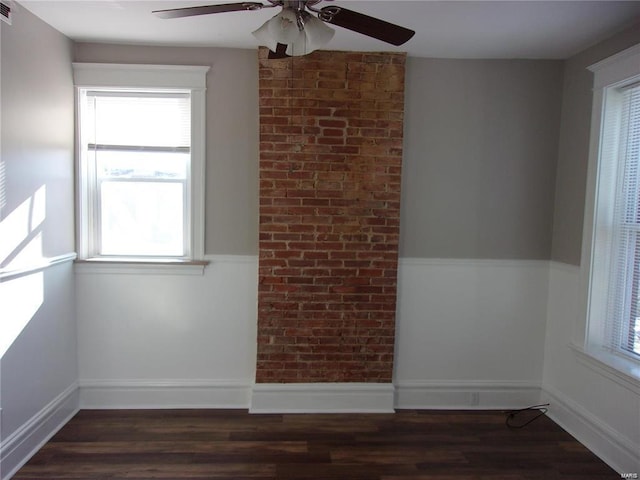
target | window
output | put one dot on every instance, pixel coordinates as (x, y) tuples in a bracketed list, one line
[(623, 324), (614, 285), (140, 162), (137, 145)]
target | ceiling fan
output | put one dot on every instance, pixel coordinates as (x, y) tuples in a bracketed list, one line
[(299, 28)]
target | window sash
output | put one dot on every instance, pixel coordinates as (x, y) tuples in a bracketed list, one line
[(136, 148), (98, 230), (624, 285), (143, 108), (95, 181)]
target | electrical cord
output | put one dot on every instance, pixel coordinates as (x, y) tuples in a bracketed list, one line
[(513, 413)]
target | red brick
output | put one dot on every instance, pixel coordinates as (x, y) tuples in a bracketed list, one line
[(330, 161)]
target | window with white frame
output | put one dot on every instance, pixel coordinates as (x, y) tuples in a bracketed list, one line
[(614, 288), (140, 162)]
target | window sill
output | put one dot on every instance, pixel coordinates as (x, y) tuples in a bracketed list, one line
[(618, 369), (140, 267)]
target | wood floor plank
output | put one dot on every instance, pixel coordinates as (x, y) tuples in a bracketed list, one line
[(149, 471), (396, 454), (233, 444), (172, 447)]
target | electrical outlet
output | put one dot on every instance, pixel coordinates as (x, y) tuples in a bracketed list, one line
[(475, 399)]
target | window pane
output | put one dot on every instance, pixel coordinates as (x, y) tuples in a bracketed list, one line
[(631, 216), (132, 164), (635, 332), (160, 120), (632, 342), (142, 218)]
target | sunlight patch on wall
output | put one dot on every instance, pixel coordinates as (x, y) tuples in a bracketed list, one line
[(28, 256), (21, 294), (20, 236), (20, 299)]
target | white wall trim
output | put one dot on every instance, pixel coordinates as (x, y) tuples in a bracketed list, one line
[(618, 451), (322, 398), (102, 266), (612, 69), (139, 76), (620, 370), (139, 268), (212, 258), (466, 395), (9, 273), (472, 262), (163, 394), (25, 441), (565, 267)]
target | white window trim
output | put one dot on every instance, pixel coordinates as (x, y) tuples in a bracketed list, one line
[(129, 76), (613, 72)]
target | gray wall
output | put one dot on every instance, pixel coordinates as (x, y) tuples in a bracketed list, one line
[(37, 125), (495, 150), (481, 141), (480, 151), (37, 150), (573, 153), (232, 135)]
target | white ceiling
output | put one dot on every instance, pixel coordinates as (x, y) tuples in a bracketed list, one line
[(445, 29)]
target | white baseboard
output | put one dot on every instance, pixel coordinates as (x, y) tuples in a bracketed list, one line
[(22, 444), (616, 450), (163, 394), (455, 395), (322, 398)]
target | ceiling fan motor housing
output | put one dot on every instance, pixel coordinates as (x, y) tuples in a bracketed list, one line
[(298, 4)]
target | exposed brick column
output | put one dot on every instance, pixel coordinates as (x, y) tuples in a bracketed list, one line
[(330, 166)]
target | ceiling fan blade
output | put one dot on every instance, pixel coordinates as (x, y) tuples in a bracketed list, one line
[(207, 9), (281, 52), (366, 25)]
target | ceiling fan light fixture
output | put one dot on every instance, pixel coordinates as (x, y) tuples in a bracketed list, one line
[(317, 33), (283, 28), (264, 37), (286, 26), (301, 32)]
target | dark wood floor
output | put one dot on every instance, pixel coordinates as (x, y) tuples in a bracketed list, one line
[(215, 444)]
